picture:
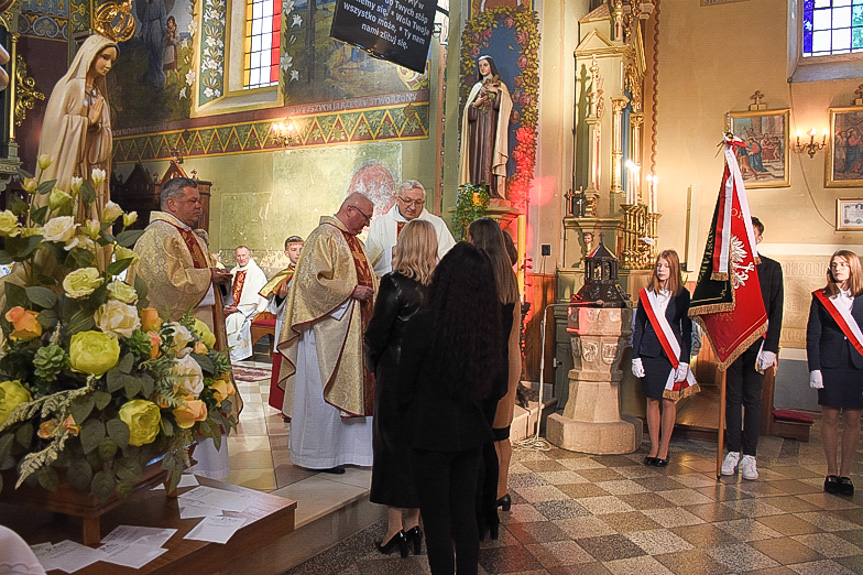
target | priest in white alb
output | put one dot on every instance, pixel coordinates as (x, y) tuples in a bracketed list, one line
[(245, 304), (329, 390), (384, 231)]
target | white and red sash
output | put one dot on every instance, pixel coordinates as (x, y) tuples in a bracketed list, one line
[(667, 340), (843, 319)]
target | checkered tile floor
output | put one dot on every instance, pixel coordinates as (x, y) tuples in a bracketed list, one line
[(588, 514)]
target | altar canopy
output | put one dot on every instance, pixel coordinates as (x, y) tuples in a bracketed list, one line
[(727, 300)]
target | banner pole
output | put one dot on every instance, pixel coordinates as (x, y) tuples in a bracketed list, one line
[(720, 432)]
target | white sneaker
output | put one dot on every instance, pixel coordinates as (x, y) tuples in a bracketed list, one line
[(747, 468), (729, 464)]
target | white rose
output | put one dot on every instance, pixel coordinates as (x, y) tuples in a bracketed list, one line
[(44, 161), (76, 185), (9, 224), (182, 338), (97, 176), (121, 291), (188, 377), (81, 283), (117, 318), (60, 229), (111, 212)]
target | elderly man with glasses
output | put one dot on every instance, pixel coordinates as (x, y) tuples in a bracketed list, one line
[(329, 391), (384, 231)]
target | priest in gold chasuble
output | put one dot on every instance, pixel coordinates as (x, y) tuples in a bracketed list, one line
[(329, 392), (181, 276)]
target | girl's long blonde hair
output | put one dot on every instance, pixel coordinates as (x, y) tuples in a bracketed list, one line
[(416, 251)]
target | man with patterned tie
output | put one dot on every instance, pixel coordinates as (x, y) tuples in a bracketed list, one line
[(384, 231), (329, 391), (245, 303)]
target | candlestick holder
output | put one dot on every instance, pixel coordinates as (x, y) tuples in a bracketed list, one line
[(811, 147)]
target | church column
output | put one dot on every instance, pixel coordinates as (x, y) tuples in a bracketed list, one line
[(617, 106)]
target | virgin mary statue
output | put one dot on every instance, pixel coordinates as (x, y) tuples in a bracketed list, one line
[(76, 132)]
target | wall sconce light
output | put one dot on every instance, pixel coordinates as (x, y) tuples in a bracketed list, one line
[(286, 133), (811, 146)]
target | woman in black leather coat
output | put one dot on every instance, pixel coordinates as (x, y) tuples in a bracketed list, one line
[(401, 294)]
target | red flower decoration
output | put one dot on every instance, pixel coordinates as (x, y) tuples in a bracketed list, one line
[(521, 37), (519, 80), (474, 52), (475, 38), (508, 22), (523, 62), (486, 34)]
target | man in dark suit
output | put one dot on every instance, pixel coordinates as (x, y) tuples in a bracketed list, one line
[(745, 376)]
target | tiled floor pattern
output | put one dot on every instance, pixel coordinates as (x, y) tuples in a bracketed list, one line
[(587, 514)]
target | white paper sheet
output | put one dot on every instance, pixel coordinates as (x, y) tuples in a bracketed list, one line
[(215, 529), (186, 480), (134, 556), (191, 509), (137, 535), (67, 556), (220, 498)]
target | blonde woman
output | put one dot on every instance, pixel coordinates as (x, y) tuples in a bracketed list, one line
[(402, 292), (834, 349), (485, 233)]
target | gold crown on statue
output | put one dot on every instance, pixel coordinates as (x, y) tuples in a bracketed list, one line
[(115, 21)]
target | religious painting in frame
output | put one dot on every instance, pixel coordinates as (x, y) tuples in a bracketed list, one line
[(844, 156), (763, 160), (849, 214)]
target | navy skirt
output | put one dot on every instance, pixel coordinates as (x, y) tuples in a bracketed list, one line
[(656, 370), (842, 388)]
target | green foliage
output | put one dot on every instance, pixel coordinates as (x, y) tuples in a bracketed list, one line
[(470, 205)]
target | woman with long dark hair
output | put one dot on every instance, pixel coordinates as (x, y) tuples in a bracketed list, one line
[(400, 296), (834, 349), (451, 359), (661, 342), (485, 233)]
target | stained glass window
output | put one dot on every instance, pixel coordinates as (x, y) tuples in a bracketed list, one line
[(832, 27), (262, 42)]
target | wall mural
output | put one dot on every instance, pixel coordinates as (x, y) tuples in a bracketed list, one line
[(510, 35)]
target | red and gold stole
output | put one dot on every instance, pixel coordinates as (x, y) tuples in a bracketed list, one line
[(199, 258), (364, 278), (843, 319), (237, 289), (399, 227)]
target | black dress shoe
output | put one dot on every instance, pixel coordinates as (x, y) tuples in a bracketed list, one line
[(505, 502), (337, 470), (400, 540), (649, 460), (415, 536), (831, 484), (659, 462), (845, 486)]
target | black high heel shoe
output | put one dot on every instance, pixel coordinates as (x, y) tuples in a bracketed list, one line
[(415, 536), (398, 539), (505, 502)]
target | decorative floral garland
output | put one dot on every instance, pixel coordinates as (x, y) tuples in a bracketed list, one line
[(477, 33), (212, 50)]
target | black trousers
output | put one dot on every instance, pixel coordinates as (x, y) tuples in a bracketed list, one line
[(446, 486), (743, 389)]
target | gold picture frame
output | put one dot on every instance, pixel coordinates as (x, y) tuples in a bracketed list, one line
[(764, 160), (844, 154), (849, 214)]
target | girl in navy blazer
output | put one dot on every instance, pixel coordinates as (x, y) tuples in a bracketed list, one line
[(836, 365), (649, 360)]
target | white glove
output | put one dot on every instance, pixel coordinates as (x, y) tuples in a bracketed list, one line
[(765, 360), (682, 370), (637, 367), (815, 380)]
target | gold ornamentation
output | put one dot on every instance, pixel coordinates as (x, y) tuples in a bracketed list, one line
[(26, 93), (115, 21)]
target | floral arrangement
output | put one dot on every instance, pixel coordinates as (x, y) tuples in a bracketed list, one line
[(94, 385), (499, 32), (471, 203)]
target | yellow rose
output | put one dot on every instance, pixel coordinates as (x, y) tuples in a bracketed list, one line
[(58, 198), (24, 321), (129, 219), (186, 415), (60, 229), (93, 352), (187, 377), (182, 338), (81, 283), (121, 291), (117, 318), (44, 161), (150, 320), (32, 231), (30, 185), (91, 229), (9, 224), (143, 418), (203, 331), (111, 212), (222, 390), (155, 342), (12, 394), (121, 253), (200, 348)]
